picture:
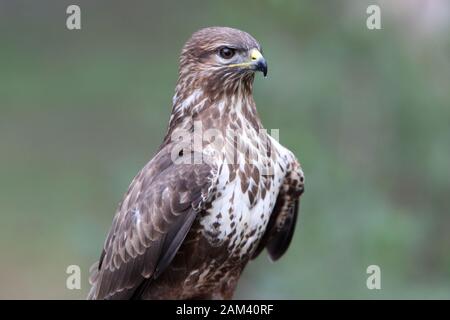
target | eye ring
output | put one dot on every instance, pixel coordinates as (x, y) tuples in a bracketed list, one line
[(227, 52)]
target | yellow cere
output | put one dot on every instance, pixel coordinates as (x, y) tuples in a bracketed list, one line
[(255, 55)]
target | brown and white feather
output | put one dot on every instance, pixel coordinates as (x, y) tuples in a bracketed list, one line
[(187, 230)]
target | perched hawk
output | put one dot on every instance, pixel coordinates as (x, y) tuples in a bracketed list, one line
[(218, 191)]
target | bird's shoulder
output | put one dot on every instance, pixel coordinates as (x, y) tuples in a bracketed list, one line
[(288, 162)]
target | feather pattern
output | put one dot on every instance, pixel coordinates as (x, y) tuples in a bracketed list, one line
[(194, 216)]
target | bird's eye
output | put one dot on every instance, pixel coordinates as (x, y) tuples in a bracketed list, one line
[(227, 53)]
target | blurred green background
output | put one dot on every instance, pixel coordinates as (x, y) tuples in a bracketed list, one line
[(366, 112)]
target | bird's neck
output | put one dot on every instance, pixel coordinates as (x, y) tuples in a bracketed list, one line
[(215, 108)]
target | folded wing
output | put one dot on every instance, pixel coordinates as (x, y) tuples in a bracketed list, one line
[(150, 225)]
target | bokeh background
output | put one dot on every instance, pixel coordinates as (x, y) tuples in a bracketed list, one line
[(367, 113)]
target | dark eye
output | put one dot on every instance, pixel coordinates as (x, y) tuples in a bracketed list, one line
[(227, 53)]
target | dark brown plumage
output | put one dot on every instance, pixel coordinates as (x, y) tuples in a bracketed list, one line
[(199, 211)]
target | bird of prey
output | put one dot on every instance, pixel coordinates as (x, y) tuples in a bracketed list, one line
[(197, 213)]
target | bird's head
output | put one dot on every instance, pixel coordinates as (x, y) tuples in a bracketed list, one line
[(221, 57)]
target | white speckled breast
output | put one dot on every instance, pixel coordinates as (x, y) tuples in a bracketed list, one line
[(245, 198)]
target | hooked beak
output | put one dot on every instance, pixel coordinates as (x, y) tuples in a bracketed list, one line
[(258, 62)]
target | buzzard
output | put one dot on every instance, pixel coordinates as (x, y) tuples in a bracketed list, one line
[(218, 191)]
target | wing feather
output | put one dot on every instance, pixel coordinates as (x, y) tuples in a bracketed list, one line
[(150, 225), (281, 226)]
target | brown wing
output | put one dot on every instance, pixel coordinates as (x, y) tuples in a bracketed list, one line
[(281, 225), (150, 225)]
